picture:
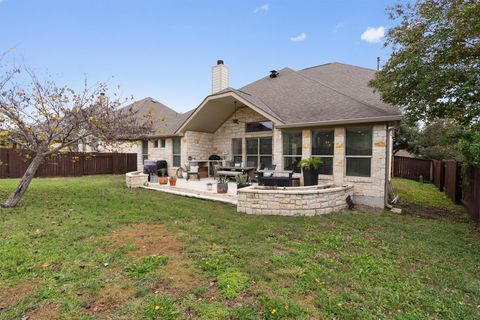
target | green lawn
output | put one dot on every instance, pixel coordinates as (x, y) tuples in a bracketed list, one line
[(89, 248)]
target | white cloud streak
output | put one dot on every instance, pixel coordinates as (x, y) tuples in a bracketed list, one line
[(262, 9), (301, 37), (373, 35)]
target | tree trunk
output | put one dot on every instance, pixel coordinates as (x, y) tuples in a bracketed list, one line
[(22, 187)]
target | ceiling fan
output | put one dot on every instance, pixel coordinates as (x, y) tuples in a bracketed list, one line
[(235, 119)]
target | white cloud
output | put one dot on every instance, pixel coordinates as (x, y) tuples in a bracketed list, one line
[(262, 9), (302, 36), (373, 35)]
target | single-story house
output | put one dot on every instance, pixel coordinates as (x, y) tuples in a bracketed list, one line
[(327, 111)]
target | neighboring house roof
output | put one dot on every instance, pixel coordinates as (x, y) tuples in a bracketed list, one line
[(332, 93), (165, 120)]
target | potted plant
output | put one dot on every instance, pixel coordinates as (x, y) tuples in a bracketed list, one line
[(209, 186), (163, 178), (222, 185), (173, 181), (310, 168), (243, 180)]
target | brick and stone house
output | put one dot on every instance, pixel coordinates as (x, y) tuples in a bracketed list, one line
[(327, 111)]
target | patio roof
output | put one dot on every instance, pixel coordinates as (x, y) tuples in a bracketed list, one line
[(217, 108)]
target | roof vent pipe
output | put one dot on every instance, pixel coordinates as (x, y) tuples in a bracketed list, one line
[(273, 73)]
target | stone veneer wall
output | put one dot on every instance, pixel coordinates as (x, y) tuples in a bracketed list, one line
[(157, 154), (222, 138), (296, 201), (198, 145)]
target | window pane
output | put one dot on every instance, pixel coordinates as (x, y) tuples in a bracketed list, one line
[(252, 161), (237, 159), (291, 163), (358, 141), (155, 143), (358, 167), (144, 146), (144, 157), (252, 146), (176, 145), (292, 143), (237, 146), (322, 142), (326, 167), (265, 162), (176, 161), (162, 143), (259, 126), (266, 145)]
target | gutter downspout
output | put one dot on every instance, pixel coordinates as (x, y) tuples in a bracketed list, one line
[(388, 169)]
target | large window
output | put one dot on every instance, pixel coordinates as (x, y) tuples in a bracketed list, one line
[(292, 150), (177, 150), (358, 151), (259, 126), (259, 152), (237, 150), (322, 147), (144, 150)]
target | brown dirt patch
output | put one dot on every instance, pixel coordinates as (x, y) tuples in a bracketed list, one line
[(111, 297), (433, 212), (46, 312), (155, 239), (11, 295), (149, 239)]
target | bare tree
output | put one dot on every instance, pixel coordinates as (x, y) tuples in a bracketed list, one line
[(43, 119)]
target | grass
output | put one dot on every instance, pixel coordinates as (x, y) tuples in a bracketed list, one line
[(89, 248)]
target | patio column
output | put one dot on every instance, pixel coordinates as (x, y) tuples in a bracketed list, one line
[(306, 143), (339, 156), (277, 148)]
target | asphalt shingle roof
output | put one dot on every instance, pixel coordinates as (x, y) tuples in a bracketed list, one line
[(328, 92)]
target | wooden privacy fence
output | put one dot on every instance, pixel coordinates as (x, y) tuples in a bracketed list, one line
[(412, 168), (471, 193), (447, 177), (13, 164)]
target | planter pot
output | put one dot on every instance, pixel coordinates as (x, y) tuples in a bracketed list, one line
[(163, 180), (222, 187), (243, 185), (173, 183), (310, 177)]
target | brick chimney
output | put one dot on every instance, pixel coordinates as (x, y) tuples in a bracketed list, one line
[(220, 77)]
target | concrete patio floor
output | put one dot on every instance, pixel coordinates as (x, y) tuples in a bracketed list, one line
[(198, 189)]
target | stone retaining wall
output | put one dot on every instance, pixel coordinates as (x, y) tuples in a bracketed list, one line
[(294, 201)]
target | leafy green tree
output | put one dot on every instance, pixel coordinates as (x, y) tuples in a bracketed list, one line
[(439, 140), (406, 138), (434, 69)]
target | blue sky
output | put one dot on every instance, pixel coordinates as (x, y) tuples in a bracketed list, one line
[(165, 49)]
